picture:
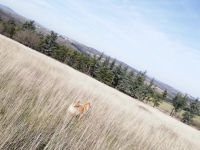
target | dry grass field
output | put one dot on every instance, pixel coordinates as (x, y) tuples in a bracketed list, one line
[(35, 92)]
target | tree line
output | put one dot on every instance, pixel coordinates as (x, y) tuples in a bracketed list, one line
[(106, 70)]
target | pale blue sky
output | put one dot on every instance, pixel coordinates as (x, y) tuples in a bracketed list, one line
[(160, 36)]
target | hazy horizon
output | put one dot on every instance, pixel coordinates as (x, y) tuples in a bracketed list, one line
[(158, 36)]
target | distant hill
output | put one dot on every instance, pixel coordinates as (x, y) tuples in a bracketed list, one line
[(7, 13), (7, 8)]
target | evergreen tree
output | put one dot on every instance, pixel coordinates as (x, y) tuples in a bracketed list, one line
[(79, 62), (9, 27), (157, 99), (141, 92), (127, 79), (112, 68), (118, 74), (150, 95), (60, 53), (137, 85), (131, 75), (125, 69), (112, 65), (50, 44), (86, 62), (98, 65), (100, 57), (105, 76), (123, 83), (191, 112), (179, 102), (164, 95), (147, 90), (106, 62), (195, 107), (28, 25), (92, 66), (71, 56)]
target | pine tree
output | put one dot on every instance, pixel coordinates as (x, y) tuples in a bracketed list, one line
[(60, 53), (106, 62), (92, 66), (150, 95), (50, 44), (125, 69), (98, 65), (86, 63), (157, 99), (195, 107), (131, 75), (118, 74), (100, 57), (164, 95), (10, 27), (112, 65), (105, 76), (179, 102), (71, 56), (147, 90), (29, 25), (80, 62), (191, 112), (123, 83), (137, 85)]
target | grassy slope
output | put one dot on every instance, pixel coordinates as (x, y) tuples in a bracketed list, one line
[(35, 92)]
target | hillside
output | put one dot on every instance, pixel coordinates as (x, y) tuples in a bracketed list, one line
[(7, 8), (6, 13), (36, 90)]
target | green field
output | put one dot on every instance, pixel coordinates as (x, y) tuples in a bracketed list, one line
[(168, 107)]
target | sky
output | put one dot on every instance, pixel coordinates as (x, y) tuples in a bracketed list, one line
[(160, 36)]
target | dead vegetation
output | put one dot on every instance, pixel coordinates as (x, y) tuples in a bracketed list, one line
[(35, 92)]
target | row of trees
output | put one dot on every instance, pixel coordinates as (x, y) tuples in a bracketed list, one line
[(103, 69), (25, 34)]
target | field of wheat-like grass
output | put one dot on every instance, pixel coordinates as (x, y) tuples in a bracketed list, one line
[(35, 92)]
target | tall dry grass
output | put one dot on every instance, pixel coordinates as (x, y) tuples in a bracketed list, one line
[(35, 92)]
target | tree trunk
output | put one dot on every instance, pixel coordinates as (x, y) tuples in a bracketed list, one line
[(171, 114)]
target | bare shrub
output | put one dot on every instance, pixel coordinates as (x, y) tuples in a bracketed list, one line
[(28, 38)]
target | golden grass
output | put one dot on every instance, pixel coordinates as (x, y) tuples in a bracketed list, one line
[(35, 92)]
